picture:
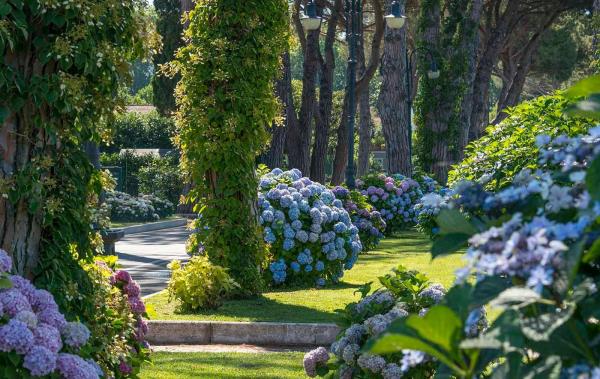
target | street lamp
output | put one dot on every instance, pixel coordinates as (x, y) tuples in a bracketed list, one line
[(353, 20), (396, 19), (310, 21)]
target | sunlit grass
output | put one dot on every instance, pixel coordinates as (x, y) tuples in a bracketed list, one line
[(224, 366), (410, 249)]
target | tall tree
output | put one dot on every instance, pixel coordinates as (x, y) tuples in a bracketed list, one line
[(341, 148), (225, 104), (169, 27), (393, 101), (324, 114), (365, 125)]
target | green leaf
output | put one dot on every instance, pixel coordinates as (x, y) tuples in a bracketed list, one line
[(541, 327), (448, 244), (5, 283), (593, 253), (587, 108), (592, 179), (584, 87), (549, 369), (488, 289), (451, 221), (516, 296), (440, 325)]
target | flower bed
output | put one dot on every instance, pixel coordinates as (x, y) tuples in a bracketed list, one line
[(404, 293), (35, 338), (310, 235), (533, 249), (126, 208), (393, 198), (365, 217)]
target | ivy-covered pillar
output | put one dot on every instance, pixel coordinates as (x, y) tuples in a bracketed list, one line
[(225, 104)]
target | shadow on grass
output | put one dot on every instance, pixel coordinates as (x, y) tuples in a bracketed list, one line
[(263, 309)]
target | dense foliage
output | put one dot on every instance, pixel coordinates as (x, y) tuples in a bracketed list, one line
[(509, 147), (393, 198), (135, 130), (199, 284), (310, 235), (117, 325), (124, 207), (364, 216), (226, 101), (404, 293), (35, 338), (61, 67), (533, 249)]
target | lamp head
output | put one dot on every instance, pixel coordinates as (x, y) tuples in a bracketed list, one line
[(396, 19), (310, 21)]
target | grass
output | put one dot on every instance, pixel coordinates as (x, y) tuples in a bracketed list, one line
[(224, 366), (114, 224), (410, 249)]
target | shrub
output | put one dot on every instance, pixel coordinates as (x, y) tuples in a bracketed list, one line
[(130, 165), (364, 216), (124, 207), (162, 178), (404, 293), (135, 130), (310, 235), (35, 338), (510, 146), (117, 326), (393, 198), (199, 284), (533, 251)]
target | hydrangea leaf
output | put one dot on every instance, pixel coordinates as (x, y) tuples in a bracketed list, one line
[(451, 221), (516, 296), (593, 253), (550, 368), (448, 243), (440, 325), (541, 327), (488, 289), (592, 179)]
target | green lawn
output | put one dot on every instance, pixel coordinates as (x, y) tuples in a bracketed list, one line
[(224, 366), (410, 249)]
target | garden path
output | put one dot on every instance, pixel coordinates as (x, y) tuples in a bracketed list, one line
[(146, 256)]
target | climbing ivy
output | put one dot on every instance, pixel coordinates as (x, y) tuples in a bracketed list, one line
[(225, 102), (438, 101), (62, 65)]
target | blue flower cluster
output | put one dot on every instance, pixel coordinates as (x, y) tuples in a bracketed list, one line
[(393, 198), (311, 236)]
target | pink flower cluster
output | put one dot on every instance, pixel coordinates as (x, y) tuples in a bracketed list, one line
[(131, 289), (32, 326)]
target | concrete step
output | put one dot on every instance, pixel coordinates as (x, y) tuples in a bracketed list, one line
[(182, 332)]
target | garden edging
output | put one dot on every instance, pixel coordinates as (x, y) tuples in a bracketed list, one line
[(154, 226), (172, 332)]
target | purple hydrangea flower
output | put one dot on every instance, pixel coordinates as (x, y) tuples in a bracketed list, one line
[(75, 334), (122, 276), (15, 336), (5, 261), (125, 368), (52, 317), (43, 300), (13, 302), (137, 305), (132, 289), (28, 318), (40, 361), (24, 286), (313, 358), (73, 367), (47, 336)]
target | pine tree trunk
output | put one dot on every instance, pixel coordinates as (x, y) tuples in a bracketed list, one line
[(365, 124), (323, 115), (393, 102)]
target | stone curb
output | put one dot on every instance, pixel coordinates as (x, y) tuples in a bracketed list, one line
[(173, 332), (154, 226)]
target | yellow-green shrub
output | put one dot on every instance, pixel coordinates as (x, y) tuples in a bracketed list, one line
[(199, 284)]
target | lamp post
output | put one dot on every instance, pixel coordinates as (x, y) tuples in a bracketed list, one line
[(353, 20), (310, 21), (396, 20)]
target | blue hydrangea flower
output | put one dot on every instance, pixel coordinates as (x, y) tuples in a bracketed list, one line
[(320, 282), (308, 268), (288, 244), (302, 236), (295, 266), (297, 225), (340, 227), (320, 266)]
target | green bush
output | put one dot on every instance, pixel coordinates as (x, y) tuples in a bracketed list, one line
[(130, 165), (198, 284), (144, 96), (162, 178), (141, 131), (510, 146)]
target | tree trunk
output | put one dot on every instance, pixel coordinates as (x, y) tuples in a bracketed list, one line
[(298, 141), (393, 102), (365, 125), (493, 47), (471, 47), (273, 157), (323, 119)]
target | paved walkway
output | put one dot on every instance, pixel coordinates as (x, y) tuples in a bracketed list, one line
[(146, 256)]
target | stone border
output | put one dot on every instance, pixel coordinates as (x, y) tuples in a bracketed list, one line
[(151, 226), (174, 332)]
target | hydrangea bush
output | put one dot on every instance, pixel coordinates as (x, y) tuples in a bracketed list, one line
[(124, 207), (393, 198), (35, 338), (533, 249), (310, 235), (403, 293), (365, 217)]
